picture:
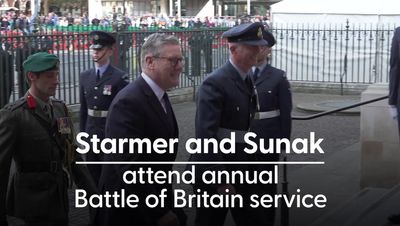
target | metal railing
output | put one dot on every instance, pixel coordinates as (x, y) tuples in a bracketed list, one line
[(285, 184), (344, 54)]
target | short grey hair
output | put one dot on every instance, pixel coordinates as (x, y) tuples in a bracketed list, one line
[(154, 42)]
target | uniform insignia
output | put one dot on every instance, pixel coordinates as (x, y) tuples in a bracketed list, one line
[(31, 102), (96, 37), (107, 90), (63, 125), (259, 33)]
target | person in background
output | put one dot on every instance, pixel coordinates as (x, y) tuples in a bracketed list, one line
[(272, 119), (98, 87), (394, 79)]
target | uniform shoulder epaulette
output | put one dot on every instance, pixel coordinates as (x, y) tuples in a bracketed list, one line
[(125, 77), (16, 104)]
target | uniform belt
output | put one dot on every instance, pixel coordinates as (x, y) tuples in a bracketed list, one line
[(97, 113), (226, 133), (52, 167), (267, 114)]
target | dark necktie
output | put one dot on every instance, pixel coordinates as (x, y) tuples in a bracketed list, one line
[(98, 75), (48, 110), (255, 74), (168, 109), (249, 83)]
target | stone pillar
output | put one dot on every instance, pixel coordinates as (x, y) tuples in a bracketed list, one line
[(380, 148), (95, 9), (164, 7)]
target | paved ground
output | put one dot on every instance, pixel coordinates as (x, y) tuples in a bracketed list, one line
[(339, 132)]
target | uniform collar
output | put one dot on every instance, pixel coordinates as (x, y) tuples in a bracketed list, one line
[(242, 74), (40, 102)]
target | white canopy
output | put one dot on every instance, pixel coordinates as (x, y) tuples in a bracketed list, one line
[(336, 11)]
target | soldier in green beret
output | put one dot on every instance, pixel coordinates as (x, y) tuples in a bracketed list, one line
[(37, 133)]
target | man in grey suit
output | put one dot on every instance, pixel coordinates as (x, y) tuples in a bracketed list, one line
[(142, 110), (225, 104)]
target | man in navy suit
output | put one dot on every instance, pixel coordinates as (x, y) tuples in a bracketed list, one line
[(394, 81), (273, 116), (142, 110), (98, 87), (394, 91), (225, 104)]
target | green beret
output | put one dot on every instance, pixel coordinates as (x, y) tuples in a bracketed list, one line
[(41, 61)]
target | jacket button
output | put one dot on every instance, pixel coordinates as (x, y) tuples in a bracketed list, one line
[(96, 88), (95, 97), (95, 107)]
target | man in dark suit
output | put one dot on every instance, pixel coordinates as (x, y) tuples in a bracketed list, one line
[(6, 75), (394, 81), (142, 110), (98, 87), (225, 104), (394, 91), (36, 133), (273, 117)]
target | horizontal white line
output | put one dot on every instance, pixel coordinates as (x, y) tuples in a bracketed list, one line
[(197, 163)]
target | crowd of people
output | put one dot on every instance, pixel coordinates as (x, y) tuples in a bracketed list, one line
[(14, 20)]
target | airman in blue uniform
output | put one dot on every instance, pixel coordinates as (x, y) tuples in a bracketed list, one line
[(272, 119), (225, 104), (98, 87)]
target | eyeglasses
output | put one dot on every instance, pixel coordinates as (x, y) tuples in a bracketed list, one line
[(172, 60)]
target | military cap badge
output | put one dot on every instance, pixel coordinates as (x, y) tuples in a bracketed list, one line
[(259, 33)]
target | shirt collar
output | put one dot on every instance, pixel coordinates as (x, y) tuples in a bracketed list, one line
[(260, 68), (156, 89), (103, 68)]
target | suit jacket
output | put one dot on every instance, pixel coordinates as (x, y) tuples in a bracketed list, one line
[(98, 95), (136, 113), (38, 187), (273, 91), (394, 81), (224, 101)]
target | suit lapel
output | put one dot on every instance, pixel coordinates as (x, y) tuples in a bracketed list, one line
[(155, 103)]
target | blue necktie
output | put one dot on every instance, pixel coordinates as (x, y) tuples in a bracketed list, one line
[(255, 74)]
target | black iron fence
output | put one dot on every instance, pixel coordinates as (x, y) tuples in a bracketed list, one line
[(347, 54), (342, 53)]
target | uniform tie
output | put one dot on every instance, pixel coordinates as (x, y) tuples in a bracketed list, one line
[(98, 75), (249, 83), (48, 109), (255, 74)]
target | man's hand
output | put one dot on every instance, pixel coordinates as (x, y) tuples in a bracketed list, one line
[(169, 219), (393, 111), (226, 189)]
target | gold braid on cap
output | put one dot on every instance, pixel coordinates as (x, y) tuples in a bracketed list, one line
[(259, 33)]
